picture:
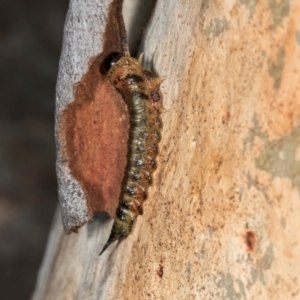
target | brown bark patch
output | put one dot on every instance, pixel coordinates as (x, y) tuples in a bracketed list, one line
[(160, 271), (250, 240), (96, 129)]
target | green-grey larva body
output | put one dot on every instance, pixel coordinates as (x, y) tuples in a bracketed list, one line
[(140, 90)]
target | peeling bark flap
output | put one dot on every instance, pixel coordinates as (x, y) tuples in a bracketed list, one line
[(93, 132), (97, 134)]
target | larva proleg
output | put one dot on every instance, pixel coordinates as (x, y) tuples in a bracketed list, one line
[(140, 91)]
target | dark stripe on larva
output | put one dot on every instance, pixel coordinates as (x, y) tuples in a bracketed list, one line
[(131, 79), (140, 95), (140, 90)]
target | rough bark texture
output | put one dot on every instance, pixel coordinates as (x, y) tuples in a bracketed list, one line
[(222, 218)]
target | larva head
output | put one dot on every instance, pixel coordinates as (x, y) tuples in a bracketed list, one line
[(110, 60), (117, 74)]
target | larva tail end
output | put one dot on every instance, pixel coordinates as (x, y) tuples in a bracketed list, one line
[(120, 230), (104, 248), (112, 238)]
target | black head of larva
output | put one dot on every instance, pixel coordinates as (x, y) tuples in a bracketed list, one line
[(110, 60)]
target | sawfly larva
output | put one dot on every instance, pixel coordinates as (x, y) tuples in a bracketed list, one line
[(140, 91)]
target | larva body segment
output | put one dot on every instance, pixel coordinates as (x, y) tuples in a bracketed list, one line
[(140, 90)]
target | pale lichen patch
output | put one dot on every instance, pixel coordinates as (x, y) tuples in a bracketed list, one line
[(298, 37), (233, 291), (275, 68), (216, 27), (278, 157), (251, 5), (279, 10)]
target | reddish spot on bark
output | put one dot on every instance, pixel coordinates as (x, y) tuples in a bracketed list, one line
[(160, 270), (250, 240)]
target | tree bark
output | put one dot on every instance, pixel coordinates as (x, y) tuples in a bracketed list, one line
[(223, 212)]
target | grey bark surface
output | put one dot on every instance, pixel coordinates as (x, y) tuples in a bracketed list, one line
[(222, 216)]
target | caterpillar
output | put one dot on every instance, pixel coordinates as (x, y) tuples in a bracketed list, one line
[(140, 90)]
